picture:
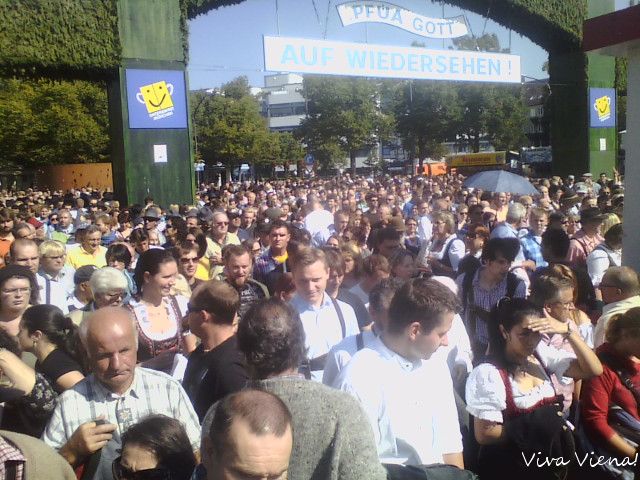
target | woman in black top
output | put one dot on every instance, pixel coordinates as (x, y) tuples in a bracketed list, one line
[(51, 337)]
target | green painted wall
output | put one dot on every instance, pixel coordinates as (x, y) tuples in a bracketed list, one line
[(569, 115)]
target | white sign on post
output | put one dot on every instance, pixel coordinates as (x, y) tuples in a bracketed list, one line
[(383, 12), (283, 54), (160, 154)]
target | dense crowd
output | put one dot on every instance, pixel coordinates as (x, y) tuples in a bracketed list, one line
[(344, 328)]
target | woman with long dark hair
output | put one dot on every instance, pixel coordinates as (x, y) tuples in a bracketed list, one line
[(517, 415), (156, 448), (51, 337), (158, 313)]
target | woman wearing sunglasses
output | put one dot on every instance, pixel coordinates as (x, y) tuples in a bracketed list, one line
[(156, 448)]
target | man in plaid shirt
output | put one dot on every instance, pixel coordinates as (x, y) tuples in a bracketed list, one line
[(532, 241)]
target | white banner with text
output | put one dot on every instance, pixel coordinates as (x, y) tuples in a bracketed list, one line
[(299, 55), (383, 12)]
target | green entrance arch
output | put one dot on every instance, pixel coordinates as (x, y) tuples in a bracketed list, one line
[(102, 39)]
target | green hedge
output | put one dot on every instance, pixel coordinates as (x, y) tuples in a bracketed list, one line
[(58, 37), (555, 25)]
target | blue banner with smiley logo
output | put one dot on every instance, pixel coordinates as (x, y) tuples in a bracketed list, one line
[(156, 98), (602, 105)]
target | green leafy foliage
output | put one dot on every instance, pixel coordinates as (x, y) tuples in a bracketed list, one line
[(344, 115), (53, 37), (46, 122), (231, 129), (426, 113)]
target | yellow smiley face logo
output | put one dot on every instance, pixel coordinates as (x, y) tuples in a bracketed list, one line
[(156, 96), (602, 106)]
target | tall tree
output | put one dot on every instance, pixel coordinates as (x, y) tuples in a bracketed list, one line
[(425, 113), (491, 111), (47, 122), (229, 126), (343, 113)]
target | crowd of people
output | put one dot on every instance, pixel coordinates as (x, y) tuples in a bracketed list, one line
[(343, 328)]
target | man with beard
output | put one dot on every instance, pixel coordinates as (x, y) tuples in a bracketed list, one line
[(237, 270)]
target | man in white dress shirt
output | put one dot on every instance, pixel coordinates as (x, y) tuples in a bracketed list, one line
[(379, 301), (326, 321), (408, 396)]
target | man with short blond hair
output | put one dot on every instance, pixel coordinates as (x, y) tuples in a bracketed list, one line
[(326, 321)]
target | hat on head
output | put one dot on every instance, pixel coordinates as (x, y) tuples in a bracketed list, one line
[(152, 213), (205, 215), (588, 175), (192, 213), (571, 177), (569, 196), (582, 188), (273, 214), (591, 214), (83, 274)]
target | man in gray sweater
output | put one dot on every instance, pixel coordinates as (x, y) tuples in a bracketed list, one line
[(332, 437)]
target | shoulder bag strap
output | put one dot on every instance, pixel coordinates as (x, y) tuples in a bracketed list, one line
[(445, 256), (47, 290), (359, 342), (583, 245), (343, 325), (512, 284)]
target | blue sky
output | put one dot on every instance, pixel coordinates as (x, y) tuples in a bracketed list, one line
[(227, 42)]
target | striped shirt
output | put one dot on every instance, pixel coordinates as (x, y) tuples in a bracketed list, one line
[(151, 392), (486, 300)]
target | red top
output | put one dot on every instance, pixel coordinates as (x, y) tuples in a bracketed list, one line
[(600, 392)]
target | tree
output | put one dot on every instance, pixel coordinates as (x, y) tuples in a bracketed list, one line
[(491, 111), (425, 113), (230, 128), (488, 42), (344, 115), (47, 122), (291, 150)]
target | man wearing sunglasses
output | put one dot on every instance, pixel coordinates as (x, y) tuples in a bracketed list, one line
[(92, 416), (219, 237), (216, 367)]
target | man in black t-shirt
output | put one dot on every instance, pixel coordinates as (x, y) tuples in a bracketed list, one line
[(216, 368)]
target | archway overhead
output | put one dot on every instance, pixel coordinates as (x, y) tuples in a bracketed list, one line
[(83, 38), (555, 25)]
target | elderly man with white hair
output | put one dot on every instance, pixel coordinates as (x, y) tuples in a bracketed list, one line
[(91, 417)]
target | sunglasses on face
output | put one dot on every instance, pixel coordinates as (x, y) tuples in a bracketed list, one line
[(122, 473)]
